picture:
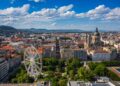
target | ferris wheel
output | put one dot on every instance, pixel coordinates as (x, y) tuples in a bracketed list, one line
[(32, 62)]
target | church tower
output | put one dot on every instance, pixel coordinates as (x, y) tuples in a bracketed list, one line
[(96, 38), (57, 48), (88, 40)]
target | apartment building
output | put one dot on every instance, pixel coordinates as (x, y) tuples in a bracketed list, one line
[(4, 68)]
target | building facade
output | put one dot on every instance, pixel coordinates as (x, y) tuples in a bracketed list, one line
[(66, 53), (100, 55), (4, 68), (80, 53)]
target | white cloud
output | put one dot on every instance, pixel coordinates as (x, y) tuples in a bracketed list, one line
[(101, 12), (113, 14), (65, 8), (98, 12), (15, 11), (20, 16), (14, 15), (68, 14), (54, 13), (46, 12)]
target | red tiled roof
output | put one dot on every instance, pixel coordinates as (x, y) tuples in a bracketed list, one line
[(40, 50), (7, 47)]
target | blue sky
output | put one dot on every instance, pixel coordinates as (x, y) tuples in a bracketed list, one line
[(61, 14)]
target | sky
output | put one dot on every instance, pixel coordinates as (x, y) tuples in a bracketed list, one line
[(61, 14)]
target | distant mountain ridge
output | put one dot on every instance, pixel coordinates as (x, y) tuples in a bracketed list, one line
[(52, 30), (3, 27), (11, 30), (7, 30)]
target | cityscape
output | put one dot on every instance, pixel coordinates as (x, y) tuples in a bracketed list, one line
[(64, 43)]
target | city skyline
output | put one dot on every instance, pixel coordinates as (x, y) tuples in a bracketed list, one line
[(67, 14)]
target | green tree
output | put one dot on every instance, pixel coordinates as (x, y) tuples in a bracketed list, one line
[(54, 82), (51, 68), (72, 74), (62, 82), (100, 70), (73, 64), (92, 65), (85, 74), (21, 76)]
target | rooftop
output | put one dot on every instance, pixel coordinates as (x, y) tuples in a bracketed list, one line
[(82, 83)]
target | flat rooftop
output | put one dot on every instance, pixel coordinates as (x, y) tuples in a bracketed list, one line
[(79, 83)]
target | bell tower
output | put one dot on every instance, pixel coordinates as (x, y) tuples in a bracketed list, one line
[(57, 48)]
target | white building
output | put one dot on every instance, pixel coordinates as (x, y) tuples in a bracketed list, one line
[(100, 55), (117, 46), (4, 68), (82, 83)]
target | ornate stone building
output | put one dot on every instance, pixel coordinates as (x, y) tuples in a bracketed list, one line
[(96, 39), (93, 41)]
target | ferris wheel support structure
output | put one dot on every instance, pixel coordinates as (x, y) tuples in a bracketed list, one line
[(32, 62)]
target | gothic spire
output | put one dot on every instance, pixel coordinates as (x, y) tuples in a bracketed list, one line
[(96, 29)]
